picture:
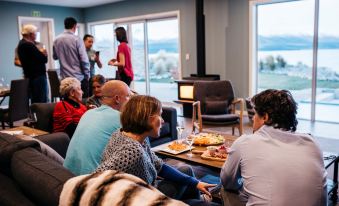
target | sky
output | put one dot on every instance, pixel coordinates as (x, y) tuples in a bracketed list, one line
[(297, 18)]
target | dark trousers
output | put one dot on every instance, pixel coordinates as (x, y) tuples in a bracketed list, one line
[(85, 88), (123, 77), (38, 89)]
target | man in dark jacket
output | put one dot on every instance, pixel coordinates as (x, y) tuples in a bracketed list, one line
[(33, 61)]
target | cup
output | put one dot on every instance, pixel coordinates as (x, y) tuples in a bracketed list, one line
[(212, 150)]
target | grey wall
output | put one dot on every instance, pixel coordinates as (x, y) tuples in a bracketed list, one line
[(9, 13), (137, 7), (237, 46)]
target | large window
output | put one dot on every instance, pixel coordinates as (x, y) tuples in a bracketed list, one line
[(155, 53), (292, 53)]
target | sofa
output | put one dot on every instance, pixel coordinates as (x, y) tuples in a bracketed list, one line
[(27, 175), (168, 132)]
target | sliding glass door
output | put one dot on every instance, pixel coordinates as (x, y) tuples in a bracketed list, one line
[(327, 101), (293, 53), (155, 54)]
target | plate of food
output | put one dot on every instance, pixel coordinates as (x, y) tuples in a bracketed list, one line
[(175, 148), (215, 153), (206, 139)]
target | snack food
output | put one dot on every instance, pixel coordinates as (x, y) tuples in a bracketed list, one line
[(215, 153), (208, 139), (177, 146)]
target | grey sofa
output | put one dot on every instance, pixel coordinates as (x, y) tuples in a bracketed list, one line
[(27, 176), (168, 132)]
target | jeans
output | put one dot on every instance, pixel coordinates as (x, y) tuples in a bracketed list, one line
[(177, 190), (38, 89)]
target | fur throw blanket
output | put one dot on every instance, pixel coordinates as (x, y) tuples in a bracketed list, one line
[(112, 188)]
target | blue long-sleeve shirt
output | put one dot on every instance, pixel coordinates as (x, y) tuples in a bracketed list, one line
[(72, 55)]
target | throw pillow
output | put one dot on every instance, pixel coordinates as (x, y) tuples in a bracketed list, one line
[(216, 107)]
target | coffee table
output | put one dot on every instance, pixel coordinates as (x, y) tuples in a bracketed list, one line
[(28, 131), (196, 158)]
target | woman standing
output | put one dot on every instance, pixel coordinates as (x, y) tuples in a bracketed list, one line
[(123, 60)]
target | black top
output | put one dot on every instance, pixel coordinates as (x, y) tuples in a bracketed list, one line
[(32, 60)]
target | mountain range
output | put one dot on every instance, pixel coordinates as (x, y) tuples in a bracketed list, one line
[(289, 42)]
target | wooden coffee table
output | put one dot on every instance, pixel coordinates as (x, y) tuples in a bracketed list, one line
[(196, 158), (28, 131)]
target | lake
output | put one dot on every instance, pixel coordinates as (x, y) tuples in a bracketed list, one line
[(326, 57)]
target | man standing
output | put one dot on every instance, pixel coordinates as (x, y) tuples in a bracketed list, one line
[(71, 52), (93, 55), (33, 63), (95, 129)]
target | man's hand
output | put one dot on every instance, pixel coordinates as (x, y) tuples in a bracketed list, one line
[(203, 187)]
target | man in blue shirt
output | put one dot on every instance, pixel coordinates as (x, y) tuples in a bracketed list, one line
[(95, 129), (72, 55)]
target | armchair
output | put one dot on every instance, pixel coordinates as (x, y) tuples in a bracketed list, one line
[(218, 104)]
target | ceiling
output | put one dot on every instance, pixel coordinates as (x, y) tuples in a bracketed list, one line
[(68, 3)]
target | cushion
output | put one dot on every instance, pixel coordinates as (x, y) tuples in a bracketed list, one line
[(223, 118), (10, 144), (39, 177), (45, 149), (216, 107), (11, 194)]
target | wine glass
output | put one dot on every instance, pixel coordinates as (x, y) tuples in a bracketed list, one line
[(180, 129), (190, 140), (32, 120)]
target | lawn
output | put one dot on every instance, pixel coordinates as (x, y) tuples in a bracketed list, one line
[(278, 81)]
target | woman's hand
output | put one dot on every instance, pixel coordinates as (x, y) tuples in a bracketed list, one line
[(203, 187)]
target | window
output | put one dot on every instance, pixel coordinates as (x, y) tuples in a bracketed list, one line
[(286, 55), (155, 54)]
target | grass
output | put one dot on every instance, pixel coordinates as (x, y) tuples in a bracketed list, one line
[(279, 81)]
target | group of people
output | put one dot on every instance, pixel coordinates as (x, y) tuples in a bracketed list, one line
[(273, 166), (76, 59)]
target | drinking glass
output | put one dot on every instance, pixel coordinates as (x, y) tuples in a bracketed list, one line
[(190, 140), (32, 120), (180, 129)]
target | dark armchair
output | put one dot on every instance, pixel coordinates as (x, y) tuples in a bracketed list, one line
[(18, 107), (168, 130), (218, 104)]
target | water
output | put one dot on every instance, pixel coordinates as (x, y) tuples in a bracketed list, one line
[(326, 57)]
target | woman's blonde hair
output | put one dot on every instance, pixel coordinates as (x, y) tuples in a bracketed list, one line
[(136, 112), (67, 85)]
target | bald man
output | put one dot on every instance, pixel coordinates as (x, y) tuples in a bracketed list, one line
[(95, 129)]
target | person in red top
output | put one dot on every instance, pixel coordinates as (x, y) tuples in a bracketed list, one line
[(123, 60), (68, 111)]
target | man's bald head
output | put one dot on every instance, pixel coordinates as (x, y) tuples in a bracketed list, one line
[(115, 93)]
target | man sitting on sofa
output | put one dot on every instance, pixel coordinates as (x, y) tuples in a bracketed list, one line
[(95, 129)]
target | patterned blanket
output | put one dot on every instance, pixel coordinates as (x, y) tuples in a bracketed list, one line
[(112, 188)]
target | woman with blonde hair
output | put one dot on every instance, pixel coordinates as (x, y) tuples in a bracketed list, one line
[(68, 111), (129, 151)]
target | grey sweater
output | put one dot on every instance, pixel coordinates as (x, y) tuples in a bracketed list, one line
[(127, 155)]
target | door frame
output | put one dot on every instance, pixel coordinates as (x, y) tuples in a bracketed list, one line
[(51, 34)]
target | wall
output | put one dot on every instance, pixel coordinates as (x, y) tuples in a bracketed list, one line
[(9, 13), (137, 8), (216, 19), (237, 46)]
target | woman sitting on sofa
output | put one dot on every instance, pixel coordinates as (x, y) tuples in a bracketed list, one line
[(129, 151), (68, 111), (95, 100)]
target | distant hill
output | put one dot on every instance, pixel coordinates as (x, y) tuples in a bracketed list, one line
[(269, 43), (169, 45)]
